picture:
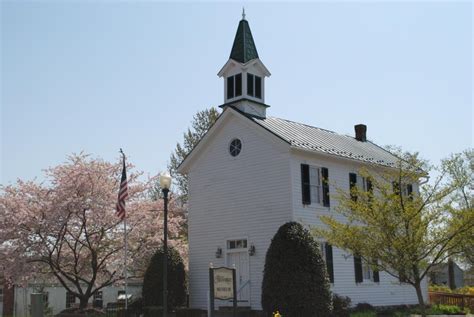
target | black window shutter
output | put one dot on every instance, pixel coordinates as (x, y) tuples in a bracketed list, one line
[(305, 189), (376, 275), (358, 269), (396, 188), (410, 191), (370, 188), (325, 177), (329, 262), (352, 184)]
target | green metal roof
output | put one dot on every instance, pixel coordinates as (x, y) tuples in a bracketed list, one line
[(244, 48)]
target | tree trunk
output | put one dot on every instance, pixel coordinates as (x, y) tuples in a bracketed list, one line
[(451, 281), (419, 294), (83, 302)]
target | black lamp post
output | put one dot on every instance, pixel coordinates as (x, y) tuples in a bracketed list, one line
[(165, 184)]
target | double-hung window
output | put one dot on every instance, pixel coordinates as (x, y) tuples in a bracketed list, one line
[(362, 183), (314, 185), (364, 272), (367, 273), (405, 189), (358, 183), (98, 299), (70, 299)]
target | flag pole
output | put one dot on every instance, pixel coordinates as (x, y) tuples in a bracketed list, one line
[(125, 261), (125, 246)]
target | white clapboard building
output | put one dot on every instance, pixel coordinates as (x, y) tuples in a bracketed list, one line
[(251, 173), (57, 298)]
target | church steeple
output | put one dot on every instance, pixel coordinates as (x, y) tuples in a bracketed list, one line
[(244, 48), (244, 74)]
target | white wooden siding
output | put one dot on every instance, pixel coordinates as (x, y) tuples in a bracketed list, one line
[(57, 297), (388, 291), (248, 196)]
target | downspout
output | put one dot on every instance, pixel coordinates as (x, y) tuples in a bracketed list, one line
[(427, 178)]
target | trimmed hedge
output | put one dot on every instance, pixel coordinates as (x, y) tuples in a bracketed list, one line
[(295, 281), (152, 291)]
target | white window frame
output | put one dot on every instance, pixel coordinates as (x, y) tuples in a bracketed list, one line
[(98, 295), (315, 189), (361, 183), (68, 302), (322, 247), (367, 272), (254, 94), (234, 95), (235, 249), (404, 189)]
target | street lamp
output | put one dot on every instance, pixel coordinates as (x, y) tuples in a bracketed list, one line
[(165, 184)]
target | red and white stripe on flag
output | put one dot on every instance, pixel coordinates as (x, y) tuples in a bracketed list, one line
[(123, 194)]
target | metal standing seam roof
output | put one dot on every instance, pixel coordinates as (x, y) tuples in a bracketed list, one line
[(311, 138)]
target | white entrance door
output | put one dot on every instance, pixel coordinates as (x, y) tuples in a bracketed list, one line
[(241, 261)]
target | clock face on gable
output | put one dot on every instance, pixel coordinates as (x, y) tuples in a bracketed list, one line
[(235, 147)]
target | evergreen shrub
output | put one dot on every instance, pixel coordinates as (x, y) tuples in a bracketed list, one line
[(295, 281), (152, 291), (341, 306)]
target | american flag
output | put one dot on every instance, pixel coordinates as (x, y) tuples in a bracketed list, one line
[(123, 194)]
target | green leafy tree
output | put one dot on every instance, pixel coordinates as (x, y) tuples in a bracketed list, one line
[(201, 123), (294, 279), (401, 232), (460, 168), (152, 291)]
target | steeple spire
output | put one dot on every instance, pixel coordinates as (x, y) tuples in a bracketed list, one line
[(244, 75), (244, 48)]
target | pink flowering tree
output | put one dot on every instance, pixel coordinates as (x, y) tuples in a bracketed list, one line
[(65, 228)]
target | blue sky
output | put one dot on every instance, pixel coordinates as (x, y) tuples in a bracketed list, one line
[(95, 76)]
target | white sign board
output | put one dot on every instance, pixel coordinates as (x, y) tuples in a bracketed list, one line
[(223, 283)]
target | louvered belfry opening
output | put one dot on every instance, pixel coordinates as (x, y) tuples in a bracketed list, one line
[(360, 132)]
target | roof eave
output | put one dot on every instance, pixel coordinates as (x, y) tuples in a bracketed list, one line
[(228, 64), (260, 64), (232, 62), (330, 155), (184, 165)]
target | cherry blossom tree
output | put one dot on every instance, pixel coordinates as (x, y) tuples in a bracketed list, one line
[(65, 228)]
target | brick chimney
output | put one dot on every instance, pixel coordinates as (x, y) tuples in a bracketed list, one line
[(360, 132)]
